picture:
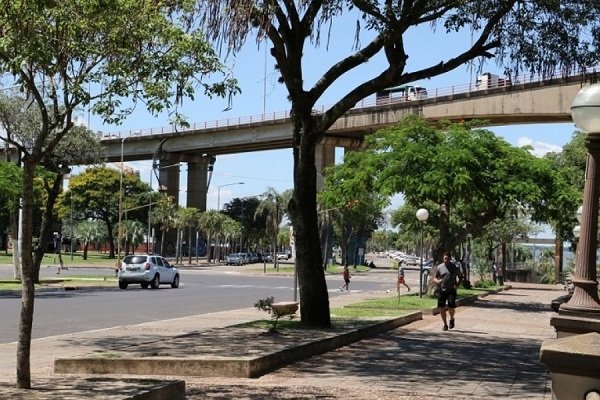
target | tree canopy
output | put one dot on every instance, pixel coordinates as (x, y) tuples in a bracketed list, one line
[(350, 202), (468, 176), (94, 195), (87, 53), (569, 165)]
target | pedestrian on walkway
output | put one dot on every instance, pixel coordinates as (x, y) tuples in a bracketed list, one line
[(346, 276), (401, 280), (447, 278), (498, 272)]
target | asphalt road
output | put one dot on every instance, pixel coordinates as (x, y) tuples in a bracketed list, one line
[(200, 292)]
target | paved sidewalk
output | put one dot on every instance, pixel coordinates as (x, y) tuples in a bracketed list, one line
[(493, 352)]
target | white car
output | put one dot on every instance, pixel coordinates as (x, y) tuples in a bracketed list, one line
[(147, 270)]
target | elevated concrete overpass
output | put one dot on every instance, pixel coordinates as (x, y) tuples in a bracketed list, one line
[(537, 101), (528, 101)]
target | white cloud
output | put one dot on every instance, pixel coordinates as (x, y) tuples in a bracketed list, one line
[(539, 148)]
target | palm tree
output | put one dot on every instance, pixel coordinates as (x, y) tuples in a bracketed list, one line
[(163, 215), (186, 217), (273, 207), (134, 234), (231, 228), (212, 224), (88, 232)]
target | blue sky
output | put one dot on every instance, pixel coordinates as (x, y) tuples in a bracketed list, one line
[(261, 92)]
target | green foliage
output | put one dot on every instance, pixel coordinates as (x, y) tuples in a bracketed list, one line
[(483, 269), (94, 195), (465, 177), (10, 182), (372, 313), (485, 283), (406, 302), (569, 165), (96, 54), (271, 209), (350, 202), (392, 304), (148, 52), (266, 305)]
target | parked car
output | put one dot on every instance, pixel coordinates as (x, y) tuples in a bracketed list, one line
[(147, 270), (234, 259), (282, 256), (427, 264), (254, 258), (245, 258)]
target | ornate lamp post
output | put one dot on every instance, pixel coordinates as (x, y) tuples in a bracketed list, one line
[(422, 215), (578, 321), (585, 303)]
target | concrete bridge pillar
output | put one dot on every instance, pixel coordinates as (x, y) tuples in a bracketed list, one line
[(324, 156), (197, 180), (168, 177)]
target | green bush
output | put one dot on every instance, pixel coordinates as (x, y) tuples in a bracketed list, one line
[(484, 283)]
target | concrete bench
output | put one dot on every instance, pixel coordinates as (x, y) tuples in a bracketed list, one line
[(284, 308)]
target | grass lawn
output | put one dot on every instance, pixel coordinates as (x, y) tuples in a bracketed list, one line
[(72, 280), (93, 259), (289, 269), (391, 306)]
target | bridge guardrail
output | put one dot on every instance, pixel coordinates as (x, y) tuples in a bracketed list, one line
[(279, 116)]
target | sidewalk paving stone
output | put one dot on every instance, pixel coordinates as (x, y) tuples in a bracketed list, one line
[(493, 352)]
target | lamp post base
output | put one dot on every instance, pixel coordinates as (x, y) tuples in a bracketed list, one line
[(585, 298), (575, 323), (581, 314)]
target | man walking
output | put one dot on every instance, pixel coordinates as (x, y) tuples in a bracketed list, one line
[(447, 277)]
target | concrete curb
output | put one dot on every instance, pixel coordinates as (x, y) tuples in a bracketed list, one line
[(219, 366), (80, 388)]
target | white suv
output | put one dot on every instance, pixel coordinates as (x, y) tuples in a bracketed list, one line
[(147, 270)]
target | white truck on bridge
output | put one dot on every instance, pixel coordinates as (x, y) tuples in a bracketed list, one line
[(400, 93), (488, 80)]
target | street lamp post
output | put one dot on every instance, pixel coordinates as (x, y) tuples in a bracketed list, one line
[(422, 215), (72, 230), (585, 111), (120, 205), (219, 192), (218, 241)]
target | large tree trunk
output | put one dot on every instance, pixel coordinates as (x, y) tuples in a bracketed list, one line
[(27, 287), (111, 239), (314, 299)]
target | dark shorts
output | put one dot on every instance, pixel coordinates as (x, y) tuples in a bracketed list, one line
[(446, 297)]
